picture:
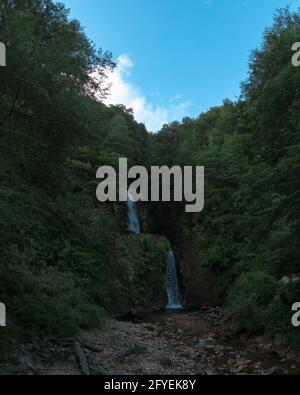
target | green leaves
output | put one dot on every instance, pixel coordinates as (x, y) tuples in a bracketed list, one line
[(250, 149), (59, 259)]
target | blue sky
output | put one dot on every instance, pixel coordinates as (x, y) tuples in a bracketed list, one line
[(176, 58)]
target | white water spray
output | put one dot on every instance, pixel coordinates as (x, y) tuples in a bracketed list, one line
[(132, 216), (173, 290)]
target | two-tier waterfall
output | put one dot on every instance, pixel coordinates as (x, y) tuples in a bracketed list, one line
[(173, 289), (172, 284)]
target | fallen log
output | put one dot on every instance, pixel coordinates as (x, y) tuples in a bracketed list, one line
[(92, 348), (83, 363)]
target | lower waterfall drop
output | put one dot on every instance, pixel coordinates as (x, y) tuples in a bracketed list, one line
[(174, 296)]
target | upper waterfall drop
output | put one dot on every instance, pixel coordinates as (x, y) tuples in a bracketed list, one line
[(174, 296), (133, 223)]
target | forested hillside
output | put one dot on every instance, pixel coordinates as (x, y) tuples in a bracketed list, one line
[(249, 231), (67, 261)]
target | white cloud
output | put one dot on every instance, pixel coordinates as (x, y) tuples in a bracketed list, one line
[(176, 97), (122, 91)]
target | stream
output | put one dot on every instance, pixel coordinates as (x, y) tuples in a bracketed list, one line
[(167, 343), (172, 342)]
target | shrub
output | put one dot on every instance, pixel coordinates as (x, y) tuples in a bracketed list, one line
[(248, 301), (46, 302), (278, 315)]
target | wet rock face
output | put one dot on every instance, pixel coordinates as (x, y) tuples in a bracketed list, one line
[(198, 283), (140, 273)]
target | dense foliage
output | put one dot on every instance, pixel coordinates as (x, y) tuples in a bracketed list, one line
[(250, 229), (65, 260)]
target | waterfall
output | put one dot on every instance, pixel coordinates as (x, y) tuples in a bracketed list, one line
[(132, 216), (172, 284)]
